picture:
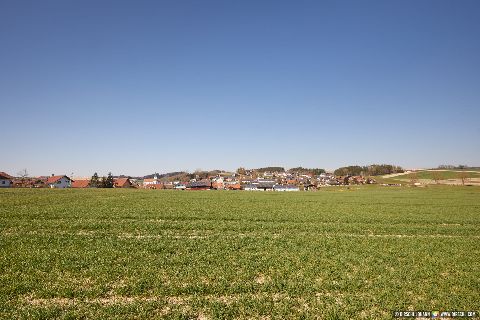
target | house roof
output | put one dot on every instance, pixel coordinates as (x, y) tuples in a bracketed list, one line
[(80, 183), (199, 184), (265, 185), (120, 182), (54, 179), (3, 175)]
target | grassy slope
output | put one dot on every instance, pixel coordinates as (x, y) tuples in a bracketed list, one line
[(442, 174), (355, 253)]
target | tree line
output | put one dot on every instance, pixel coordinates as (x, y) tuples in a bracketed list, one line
[(458, 167), (371, 170), (301, 170), (298, 170), (270, 169), (103, 182)]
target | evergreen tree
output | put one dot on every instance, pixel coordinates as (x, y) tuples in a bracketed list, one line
[(103, 182), (94, 182), (109, 181)]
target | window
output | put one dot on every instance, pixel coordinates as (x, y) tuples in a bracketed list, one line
[(3, 181), (59, 182)]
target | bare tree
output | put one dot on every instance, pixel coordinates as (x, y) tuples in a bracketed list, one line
[(413, 178), (437, 176), (463, 176), (23, 175), (241, 171), (197, 173)]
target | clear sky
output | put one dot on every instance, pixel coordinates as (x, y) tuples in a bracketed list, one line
[(136, 87)]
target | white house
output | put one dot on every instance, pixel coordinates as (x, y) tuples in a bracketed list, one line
[(149, 182), (250, 187), (59, 182), (5, 180)]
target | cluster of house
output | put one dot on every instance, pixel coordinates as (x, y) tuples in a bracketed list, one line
[(267, 181), (54, 181), (217, 182)]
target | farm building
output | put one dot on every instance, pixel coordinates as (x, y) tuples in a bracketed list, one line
[(122, 183), (266, 186), (153, 181), (232, 185), (155, 186), (168, 185), (218, 183), (290, 187), (199, 185), (80, 183), (160, 186), (5, 180), (58, 182), (250, 187)]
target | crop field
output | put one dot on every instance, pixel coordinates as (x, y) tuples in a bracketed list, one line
[(357, 253)]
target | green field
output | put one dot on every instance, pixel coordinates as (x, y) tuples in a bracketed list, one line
[(443, 175), (333, 254)]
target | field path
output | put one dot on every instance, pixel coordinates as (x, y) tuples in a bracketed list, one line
[(396, 174)]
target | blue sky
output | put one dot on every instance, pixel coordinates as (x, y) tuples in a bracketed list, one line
[(135, 87)]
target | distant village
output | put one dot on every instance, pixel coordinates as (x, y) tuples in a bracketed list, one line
[(275, 179)]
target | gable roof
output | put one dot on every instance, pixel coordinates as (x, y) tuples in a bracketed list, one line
[(3, 175), (54, 179), (80, 183), (120, 182), (199, 184), (265, 185)]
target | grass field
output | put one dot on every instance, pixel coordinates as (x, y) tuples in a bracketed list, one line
[(429, 176), (447, 174), (334, 254)]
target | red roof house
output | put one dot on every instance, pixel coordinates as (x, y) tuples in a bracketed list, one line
[(5, 180), (80, 183), (59, 181), (122, 183)]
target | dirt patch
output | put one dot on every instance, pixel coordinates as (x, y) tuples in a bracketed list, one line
[(260, 279), (62, 302)]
